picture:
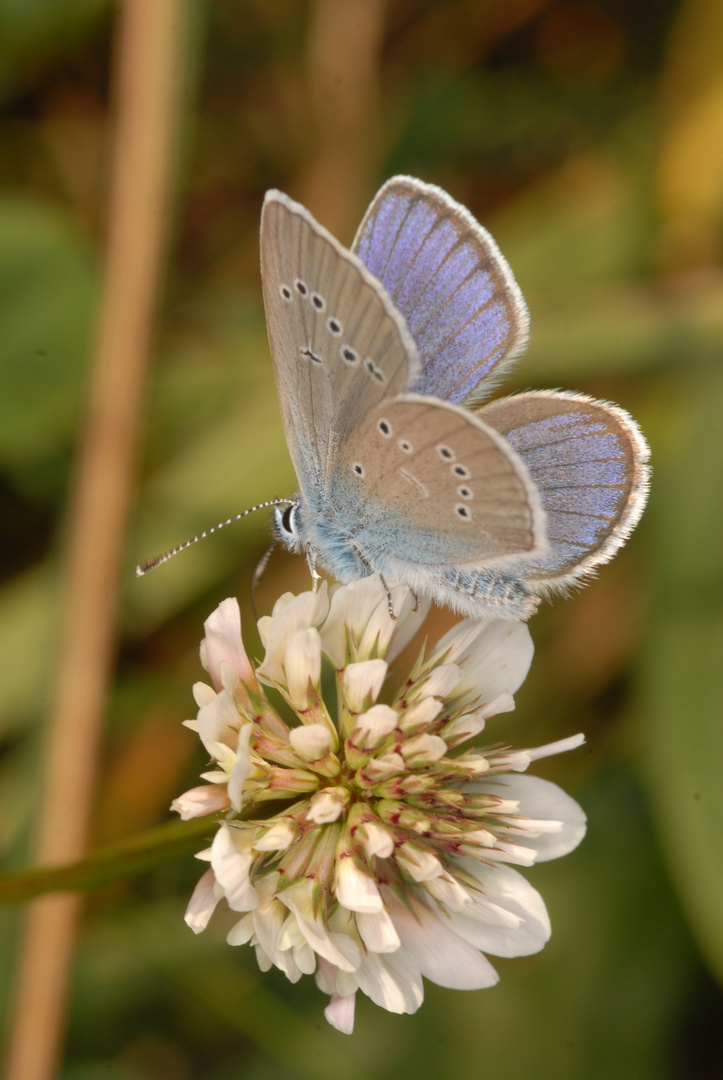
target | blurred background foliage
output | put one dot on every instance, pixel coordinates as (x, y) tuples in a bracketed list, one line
[(587, 135)]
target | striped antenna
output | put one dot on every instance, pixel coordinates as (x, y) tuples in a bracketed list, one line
[(151, 564)]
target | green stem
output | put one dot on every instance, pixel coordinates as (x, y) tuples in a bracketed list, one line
[(126, 859)]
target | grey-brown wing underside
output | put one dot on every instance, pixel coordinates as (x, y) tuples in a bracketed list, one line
[(426, 482), (338, 344)]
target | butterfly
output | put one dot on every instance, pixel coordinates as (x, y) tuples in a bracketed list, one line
[(381, 355)]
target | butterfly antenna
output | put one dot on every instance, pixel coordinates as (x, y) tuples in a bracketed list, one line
[(151, 564), (258, 574)]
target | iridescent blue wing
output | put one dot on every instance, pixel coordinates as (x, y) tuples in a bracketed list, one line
[(587, 460), (446, 276)]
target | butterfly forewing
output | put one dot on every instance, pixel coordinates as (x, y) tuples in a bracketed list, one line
[(426, 482), (587, 459), (446, 276), (337, 343)]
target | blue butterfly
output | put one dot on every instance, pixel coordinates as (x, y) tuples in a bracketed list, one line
[(381, 355)]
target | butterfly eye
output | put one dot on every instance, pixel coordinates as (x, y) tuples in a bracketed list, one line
[(287, 519)]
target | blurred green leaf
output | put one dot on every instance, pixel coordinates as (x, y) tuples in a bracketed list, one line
[(680, 685), (28, 624), (32, 27), (48, 292)]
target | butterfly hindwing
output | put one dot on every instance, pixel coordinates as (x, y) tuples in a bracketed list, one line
[(587, 460), (446, 276), (427, 483), (337, 342)]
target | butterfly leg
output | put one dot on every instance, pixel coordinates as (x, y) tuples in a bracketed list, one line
[(311, 561), (390, 605)]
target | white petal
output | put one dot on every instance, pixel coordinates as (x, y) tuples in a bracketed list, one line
[(381, 629), (340, 1013), (424, 747), (325, 976), (448, 891), (302, 664), (203, 694), (305, 958), (506, 889), (410, 616), (514, 761), (442, 680), (421, 713), (291, 613), (277, 838), (351, 607), (338, 949), (391, 980), (377, 932), (333, 981), (356, 890), (511, 851), (457, 641), (375, 840), (421, 865), (463, 728), (218, 722), (383, 767), (375, 724), (498, 660), (223, 642), (363, 681), (538, 798), (291, 936), (268, 920), (202, 903), (471, 724), (441, 955), (262, 958), (363, 608), (311, 742), (326, 806), (231, 865), (559, 747), (229, 677), (242, 931), (241, 769), (503, 703), (199, 801)]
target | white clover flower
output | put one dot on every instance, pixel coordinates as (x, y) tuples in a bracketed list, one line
[(388, 850)]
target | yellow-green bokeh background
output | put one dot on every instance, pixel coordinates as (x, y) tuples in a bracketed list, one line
[(587, 135)]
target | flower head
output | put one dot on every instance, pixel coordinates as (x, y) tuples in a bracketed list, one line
[(366, 841)]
